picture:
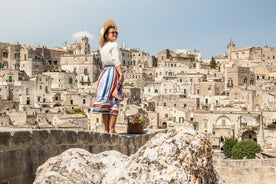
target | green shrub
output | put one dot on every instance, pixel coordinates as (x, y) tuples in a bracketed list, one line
[(271, 126), (228, 145), (76, 111), (245, 149)]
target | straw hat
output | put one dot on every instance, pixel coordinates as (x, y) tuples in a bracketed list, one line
[(109, 22)]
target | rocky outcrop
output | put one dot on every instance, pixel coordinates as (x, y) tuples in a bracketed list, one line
[(177, 156)]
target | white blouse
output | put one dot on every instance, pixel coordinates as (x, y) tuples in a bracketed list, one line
[(110, 54)]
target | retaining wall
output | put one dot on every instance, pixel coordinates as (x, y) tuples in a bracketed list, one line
[(21, 152), (253, 171)]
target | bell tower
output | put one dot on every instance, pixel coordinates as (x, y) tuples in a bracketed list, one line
[(85, 47)]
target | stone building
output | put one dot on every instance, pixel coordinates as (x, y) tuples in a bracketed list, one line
[(36, 59), (43, 91), (239, 76), (253, 54), (134, 76), (9, 55), (180, 54), (245, 99), (12, 76), (142, 59), (81, 62), (126, 56), (266, 96), (264, 72)]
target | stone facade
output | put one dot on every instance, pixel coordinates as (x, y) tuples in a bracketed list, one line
[(9, 55), (81, 62), (253, 171), (253, 54)]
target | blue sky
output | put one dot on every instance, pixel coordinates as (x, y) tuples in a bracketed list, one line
[(152, 25)]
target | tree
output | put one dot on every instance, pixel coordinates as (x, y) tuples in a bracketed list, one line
[(213, 63), (228, 145), (245, 149)]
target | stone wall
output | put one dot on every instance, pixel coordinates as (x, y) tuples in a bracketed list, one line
[(21, 152), (253, 171)]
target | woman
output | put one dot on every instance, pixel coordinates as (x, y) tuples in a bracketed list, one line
[(109, 86)]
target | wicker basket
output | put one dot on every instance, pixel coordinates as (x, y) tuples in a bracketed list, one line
[(135, 128)]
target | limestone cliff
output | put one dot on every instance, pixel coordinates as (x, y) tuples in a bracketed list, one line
[(177, 156)]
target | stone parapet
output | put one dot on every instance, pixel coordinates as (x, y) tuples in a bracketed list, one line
[(21, 152), (253, 171)]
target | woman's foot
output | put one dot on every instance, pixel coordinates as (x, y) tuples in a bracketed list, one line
[(112, 132)]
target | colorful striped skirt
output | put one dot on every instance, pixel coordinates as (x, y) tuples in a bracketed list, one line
[(105, 103)]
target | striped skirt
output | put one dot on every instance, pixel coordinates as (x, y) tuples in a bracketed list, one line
[(105, 103)]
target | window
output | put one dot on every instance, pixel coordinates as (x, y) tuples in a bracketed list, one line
[(16, 55), (27, 91), (10, 79), (85, 71), (70, 80), (71, 102), (185, 91), (83, 101), (5, 54), (46, 89), (155, 91), (180, 80), (205, 124), (165, 104), (223, 122), (97, 120), (206, 101), (230, 83)]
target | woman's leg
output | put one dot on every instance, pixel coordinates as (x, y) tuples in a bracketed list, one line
[(112, 123), (106, 119)]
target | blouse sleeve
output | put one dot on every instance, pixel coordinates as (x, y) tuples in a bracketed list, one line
[(116, 54)]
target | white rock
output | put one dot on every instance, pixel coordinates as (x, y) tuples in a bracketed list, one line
[(178, 156)]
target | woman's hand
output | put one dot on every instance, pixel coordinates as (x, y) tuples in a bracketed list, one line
[(120, 73), (121, 79)]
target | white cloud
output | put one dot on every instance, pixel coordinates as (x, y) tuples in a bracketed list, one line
[(81, 34)]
